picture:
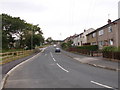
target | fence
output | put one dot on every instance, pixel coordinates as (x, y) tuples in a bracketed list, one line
[(10, 56), (85, 52), (111, 55)]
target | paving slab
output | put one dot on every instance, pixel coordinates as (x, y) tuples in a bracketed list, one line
[(94, 61)]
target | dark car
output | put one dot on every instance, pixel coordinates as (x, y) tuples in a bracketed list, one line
[(57, 50)]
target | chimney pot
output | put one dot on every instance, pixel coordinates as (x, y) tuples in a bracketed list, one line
[(109, 21)]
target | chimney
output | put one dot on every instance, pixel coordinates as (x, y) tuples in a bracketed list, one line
[(109, 21)]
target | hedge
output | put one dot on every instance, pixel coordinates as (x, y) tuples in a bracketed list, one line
[(111, 49), (89, 47)]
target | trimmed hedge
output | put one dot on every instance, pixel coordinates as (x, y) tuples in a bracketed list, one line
[(89, 47), (111, 49), (111, 52)]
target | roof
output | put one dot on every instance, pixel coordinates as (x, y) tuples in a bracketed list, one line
[(91, 32), (108, 24), (103, 26)]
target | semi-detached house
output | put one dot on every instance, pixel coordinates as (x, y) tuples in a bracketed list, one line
[(107, 35)]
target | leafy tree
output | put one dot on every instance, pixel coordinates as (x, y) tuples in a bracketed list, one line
[(49, 40), (22, 30)]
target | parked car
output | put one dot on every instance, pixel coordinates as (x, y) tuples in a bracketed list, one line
[(57, 50)]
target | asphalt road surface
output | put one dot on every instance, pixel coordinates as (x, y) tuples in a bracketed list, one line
[(56, 70)]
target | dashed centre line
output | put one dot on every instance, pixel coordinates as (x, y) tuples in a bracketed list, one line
[(58, 64), (51, 54), (62, 68), (54, 59)]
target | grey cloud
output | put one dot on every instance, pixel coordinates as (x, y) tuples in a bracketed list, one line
[(23, 7)]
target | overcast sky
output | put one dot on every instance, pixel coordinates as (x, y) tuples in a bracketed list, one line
[(61, 18)]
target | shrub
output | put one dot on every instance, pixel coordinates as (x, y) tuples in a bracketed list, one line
[(64, 45), (119, 49), (89, 47), (110, 48)]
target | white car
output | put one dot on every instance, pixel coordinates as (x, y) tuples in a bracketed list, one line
[(54, 45)]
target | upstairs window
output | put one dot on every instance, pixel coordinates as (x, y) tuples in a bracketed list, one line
[(93, 35), (101, 32), (109, 29)]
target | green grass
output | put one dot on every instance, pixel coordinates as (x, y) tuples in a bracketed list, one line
[(12, 58), (11, 50)]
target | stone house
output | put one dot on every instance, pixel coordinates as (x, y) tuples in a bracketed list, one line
[(107, 35)]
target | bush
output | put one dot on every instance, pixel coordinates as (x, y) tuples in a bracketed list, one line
[(64, 45), (89, 47), (119, 49), (67, 45), (110, 48)]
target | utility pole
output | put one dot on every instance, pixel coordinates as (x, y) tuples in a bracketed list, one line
[(32, 39), (119, 9)]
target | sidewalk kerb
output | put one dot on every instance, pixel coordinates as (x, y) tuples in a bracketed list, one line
[(95, 65)]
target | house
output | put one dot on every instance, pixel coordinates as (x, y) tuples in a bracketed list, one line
[(92, 38), (83, 37), (76, 40), (71, 38), (107, 35), (66, 40)]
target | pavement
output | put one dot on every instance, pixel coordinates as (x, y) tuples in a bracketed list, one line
[(60, 70), (94, 61)]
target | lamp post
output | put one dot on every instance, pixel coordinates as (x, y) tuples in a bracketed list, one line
[(32, 39)]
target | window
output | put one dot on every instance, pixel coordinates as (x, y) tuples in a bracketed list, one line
[(106, 42), (111, 41), (101, 32), (101, 43), (94, 43), (109, 29), (93, 35)]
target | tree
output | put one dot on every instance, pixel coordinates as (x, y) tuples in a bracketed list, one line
[(49, 40), (27, 34)]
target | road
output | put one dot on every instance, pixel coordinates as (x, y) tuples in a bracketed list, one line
[(56, 70)]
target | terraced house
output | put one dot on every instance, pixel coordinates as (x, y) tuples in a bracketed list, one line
[(107, 35), (81, 38)]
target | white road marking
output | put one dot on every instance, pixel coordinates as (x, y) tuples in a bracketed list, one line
[(57, 63), (51, 55), (101, 84), (54, 59), (62, 68)]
